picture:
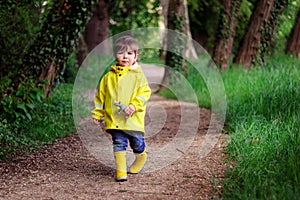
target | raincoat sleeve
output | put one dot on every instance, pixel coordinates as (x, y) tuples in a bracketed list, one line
[(142, 95), (98, 111)]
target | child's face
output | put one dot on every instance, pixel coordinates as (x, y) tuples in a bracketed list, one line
[(126, 58)]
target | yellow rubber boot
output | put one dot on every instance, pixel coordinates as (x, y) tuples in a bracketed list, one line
[(121, 167), (138, 164)]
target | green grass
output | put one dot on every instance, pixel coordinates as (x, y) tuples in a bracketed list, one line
[(54, 118), (263, 121)]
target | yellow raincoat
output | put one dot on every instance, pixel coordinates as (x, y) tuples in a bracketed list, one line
[(127, 85)]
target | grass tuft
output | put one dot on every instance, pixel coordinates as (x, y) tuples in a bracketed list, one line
[(263, 120)]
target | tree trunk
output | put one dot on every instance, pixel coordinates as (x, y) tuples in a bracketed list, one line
[(293, 43), (226, 33), (176, 44), (164, 4), (48, 73), (190, 51), (82, 50), (55, 40), (248, 49), (269, 30), (97, 29)]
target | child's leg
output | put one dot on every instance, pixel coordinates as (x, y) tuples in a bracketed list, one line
[(120, 143), (121, 167), (137, 143)]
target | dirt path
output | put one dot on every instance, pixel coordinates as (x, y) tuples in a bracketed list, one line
[(67, 170)]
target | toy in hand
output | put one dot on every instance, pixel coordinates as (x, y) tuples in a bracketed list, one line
[(121, 106)]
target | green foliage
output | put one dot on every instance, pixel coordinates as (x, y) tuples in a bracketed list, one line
[(287, 18), (176, 43), (205, 31), (263, 120), (269, 31), (69, 71), (267, 160), (242, 18), (55, 118), (199, 85), (55, 42), (149, 56), (270, 84), (210, 11), (51, 119), (32, 34), (27, 47), (224, 29), (16, 105), (19, 22), (127, 15), (285, 25)]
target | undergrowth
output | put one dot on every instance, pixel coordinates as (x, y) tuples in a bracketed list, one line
[(263, 121), (48, 120)]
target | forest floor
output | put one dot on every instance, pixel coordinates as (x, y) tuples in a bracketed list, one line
[(67, 170)]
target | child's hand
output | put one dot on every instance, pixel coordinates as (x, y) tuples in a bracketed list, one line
[(129, 110), (98, 122)]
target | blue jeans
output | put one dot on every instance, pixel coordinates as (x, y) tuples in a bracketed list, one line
[(120, 140)]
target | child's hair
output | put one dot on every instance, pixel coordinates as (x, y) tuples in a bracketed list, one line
[(125, 42)]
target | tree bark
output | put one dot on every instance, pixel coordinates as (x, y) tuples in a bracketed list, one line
[(82, 50), (48, 73), (164, 4), (269, 30), (226, 33), (190, 51), (293, 43), (97, 29), (176, 44), (55, 40), (248, 49)]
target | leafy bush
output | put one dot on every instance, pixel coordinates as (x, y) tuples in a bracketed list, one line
[(37, 121), (16, 105), (19, 24), (17, 108)]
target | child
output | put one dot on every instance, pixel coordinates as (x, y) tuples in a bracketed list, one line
[(121, 100)]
